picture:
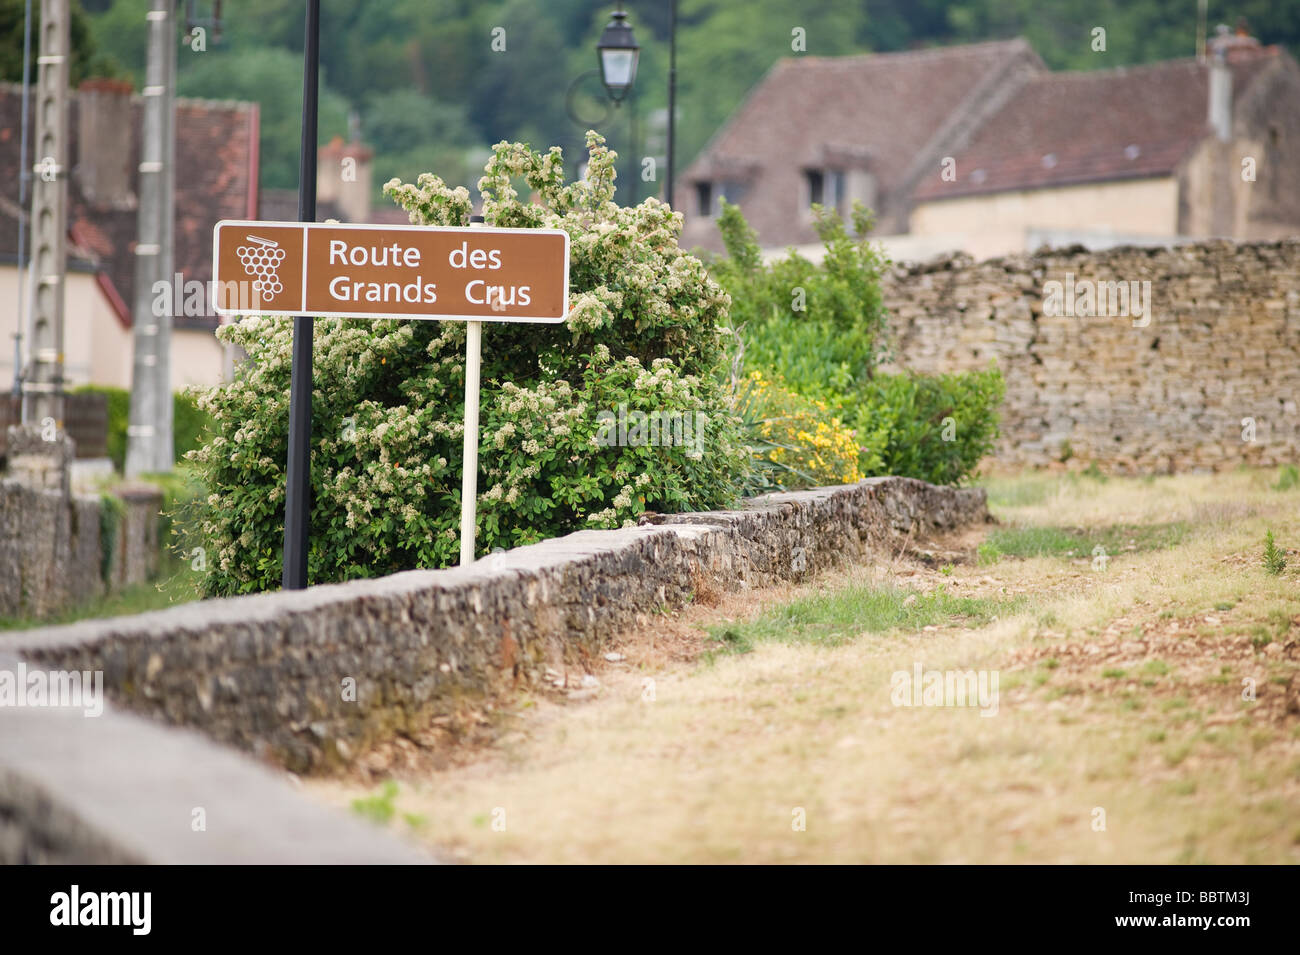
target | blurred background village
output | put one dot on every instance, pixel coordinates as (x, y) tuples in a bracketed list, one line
[(1054, 134)]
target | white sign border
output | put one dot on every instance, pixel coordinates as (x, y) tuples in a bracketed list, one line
[(370, 316)]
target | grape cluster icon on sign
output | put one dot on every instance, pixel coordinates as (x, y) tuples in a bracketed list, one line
[(261, 260)]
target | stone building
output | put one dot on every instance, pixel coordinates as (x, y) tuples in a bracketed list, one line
[(981, 149)]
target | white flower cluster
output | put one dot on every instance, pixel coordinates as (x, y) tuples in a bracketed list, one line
[(431, 201)]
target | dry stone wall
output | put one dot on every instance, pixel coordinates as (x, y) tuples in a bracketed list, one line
[(270, 673), (1209, 382), (54, 552)]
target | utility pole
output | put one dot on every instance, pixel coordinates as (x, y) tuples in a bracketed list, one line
[(43, 392), (164, 445), (24, 180), (148, 424)]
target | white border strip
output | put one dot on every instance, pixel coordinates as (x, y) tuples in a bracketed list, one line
[(371, 227)]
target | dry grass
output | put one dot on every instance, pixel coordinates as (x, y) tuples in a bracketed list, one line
[(1120, 692)]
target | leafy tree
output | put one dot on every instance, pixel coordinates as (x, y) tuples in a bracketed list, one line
[(442, 48), (272, 78), (412, 132), (86, 61)]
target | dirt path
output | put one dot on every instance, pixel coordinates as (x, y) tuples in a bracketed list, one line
[(1122, 729)]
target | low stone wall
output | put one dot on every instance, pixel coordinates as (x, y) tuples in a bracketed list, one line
[(120, 789), (137, 545), (312, 678), (1209, 382), (52, 551)]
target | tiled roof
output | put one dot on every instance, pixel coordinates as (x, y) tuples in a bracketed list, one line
[(216, 178), (881, 109), (1072, 128)]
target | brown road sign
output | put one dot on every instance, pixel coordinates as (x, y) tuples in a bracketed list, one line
[(374, 271)]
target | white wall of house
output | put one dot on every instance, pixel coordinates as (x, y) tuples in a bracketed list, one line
[(97, 349), (1000, 223)]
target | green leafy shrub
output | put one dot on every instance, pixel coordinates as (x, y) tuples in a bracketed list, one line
[(937, 427), (822, 331), (645, 332), (119, 413), (183, 494), (820, 328), (189, 422)]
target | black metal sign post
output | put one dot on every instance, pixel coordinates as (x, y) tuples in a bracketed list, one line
[(297, 492)]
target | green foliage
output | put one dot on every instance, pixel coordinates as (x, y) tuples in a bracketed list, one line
[(411, 132), (111, 511), (798, 440), (1274, 556), (821, 330), (119, 415), (831, 619), (183, 494), (938, 427), (379, 808), (272, 78), (86, 60), (1287, 478), (818, 327), (189, 422), (644, 332)]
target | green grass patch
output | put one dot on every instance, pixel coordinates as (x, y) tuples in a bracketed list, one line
[(1022, 491), (835, 618), (380, 807), (1080, 542), (181, 586)]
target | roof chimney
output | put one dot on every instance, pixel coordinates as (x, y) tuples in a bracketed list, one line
[(1219, 109), (343, 176), (104, 143)]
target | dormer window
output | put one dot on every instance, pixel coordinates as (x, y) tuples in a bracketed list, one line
[(816, 180), (709, 195), (704, 198), (824, 187)]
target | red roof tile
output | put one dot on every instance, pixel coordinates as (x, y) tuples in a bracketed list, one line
[(1073, 128), (216, 179), (882, 109)]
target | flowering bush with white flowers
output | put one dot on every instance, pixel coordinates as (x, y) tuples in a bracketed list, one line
[(645, 332)]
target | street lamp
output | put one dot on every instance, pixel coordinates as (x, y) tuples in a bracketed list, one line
[(618, 52)]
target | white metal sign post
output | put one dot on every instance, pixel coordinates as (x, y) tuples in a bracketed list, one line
[(328, 270), (469, 456), (469, 467)]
